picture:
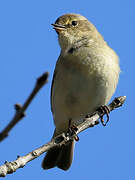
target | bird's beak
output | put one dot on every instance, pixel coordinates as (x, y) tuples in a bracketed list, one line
[(58, 28)]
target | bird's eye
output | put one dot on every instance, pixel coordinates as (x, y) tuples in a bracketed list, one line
[(74, 23)]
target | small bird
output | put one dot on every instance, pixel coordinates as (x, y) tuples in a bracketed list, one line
[(85, 77)]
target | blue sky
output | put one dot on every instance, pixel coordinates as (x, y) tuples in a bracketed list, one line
[(29, 47)]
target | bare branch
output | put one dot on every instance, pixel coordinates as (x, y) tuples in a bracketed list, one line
[(20, 109), (10, 167)]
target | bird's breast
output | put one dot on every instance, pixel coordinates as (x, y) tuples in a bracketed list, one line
[(81, 85)]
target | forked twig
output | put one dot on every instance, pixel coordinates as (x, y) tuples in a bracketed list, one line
[(20, 109)]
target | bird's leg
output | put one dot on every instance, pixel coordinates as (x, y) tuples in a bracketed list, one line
[(72, 129), (103, 110)]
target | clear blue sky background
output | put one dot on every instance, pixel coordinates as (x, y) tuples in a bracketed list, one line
[(29, 47)]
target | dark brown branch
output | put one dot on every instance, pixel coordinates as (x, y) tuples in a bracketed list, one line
[(20, 109), (10, 167)]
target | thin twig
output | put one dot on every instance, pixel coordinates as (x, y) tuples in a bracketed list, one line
[(10, 167), (20, 109)]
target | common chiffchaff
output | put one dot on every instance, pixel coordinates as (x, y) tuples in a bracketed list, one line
[(85, 77)]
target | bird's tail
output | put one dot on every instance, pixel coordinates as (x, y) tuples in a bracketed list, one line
[(60, 156)]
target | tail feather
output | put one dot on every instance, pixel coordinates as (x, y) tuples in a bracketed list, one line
[(60, 157), (51, 158), (66, 156)]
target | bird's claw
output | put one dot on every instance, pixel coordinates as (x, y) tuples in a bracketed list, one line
[(72, 131), (103, 109)]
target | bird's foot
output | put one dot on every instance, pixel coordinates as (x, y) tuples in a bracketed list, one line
[(103, 109), (72, 129)]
